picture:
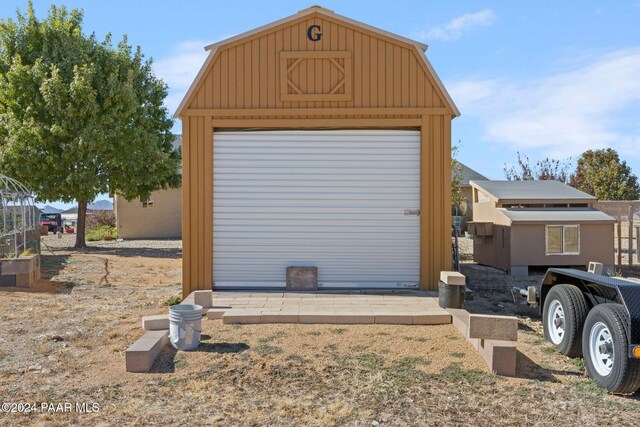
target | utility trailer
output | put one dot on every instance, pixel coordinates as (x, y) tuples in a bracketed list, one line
[(597, 317)]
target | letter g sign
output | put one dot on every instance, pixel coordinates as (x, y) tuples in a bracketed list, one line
[(313, 33)]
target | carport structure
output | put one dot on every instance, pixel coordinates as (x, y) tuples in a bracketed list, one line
[(320, 141)]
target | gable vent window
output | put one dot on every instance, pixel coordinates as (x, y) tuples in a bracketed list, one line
[(563, 239)]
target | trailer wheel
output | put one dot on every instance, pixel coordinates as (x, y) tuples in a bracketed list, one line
[(563, 316), (605, 347)]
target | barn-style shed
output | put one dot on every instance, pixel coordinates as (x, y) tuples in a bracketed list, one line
[(316, 141)]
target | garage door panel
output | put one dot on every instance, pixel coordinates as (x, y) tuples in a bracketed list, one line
[(331, 199)]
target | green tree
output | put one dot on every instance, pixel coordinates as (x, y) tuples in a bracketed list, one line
[(602, 174), (547, 169), (80, 117), (457, 198)]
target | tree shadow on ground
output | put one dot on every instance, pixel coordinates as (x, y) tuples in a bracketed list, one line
[(52, 265), (165, 253)]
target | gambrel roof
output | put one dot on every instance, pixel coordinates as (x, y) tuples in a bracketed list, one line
[(416, 48)]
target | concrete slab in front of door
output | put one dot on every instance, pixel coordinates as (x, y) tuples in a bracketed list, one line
[(345, 308)]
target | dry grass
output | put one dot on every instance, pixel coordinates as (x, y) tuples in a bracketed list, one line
[(66, 342)]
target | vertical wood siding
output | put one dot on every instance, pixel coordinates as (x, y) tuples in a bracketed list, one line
[(246, 75)]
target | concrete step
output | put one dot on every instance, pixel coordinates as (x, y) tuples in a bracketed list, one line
[(140, 356), (351, 316), (499, 355), (155, 323)]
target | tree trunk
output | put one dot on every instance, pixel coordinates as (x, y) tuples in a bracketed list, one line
[(80, 225)]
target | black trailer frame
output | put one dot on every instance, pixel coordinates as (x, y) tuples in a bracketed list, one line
[(599, 289)]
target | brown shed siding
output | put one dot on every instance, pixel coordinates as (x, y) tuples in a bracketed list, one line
[(528, 245), (391, 87), (494, 250), (246, 75)]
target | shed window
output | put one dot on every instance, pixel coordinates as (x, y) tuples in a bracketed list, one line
[(481, 197), (563, 239), (147, 203)]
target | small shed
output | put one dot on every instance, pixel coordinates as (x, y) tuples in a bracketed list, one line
[(517, 224), (316, 141)]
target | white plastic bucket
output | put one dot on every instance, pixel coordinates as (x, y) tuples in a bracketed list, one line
[(184, 326)]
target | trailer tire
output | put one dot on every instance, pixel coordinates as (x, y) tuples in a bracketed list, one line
[(606, 349), (565, 310)]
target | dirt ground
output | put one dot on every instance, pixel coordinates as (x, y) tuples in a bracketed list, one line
[(65, 342)]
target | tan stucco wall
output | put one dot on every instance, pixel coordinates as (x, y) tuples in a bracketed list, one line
[(163, 220), (486, 212), (528, 246)]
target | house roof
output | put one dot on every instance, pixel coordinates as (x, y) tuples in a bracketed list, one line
[(549, 215), (532, 191), (469, 174), (420, 48)]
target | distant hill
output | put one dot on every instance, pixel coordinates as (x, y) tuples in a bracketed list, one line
[(49, 209), (101, 205)]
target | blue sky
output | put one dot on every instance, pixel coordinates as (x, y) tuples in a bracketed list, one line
[(545, 78)]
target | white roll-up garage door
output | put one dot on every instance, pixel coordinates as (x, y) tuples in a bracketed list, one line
[(344, 201)]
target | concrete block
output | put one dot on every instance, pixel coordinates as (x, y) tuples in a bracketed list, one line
[(302, 278), (216, 313), (452, 278), (483, 326), (278, 317), (155, 323), (431, 319), (489, 327), (203, 298), (317, 318), (383, 318), (140, 356), (8, 280), (500, 356), (24, 280), (249, 316), (190, 299), (355, 318), (22, 265), (460, 320)]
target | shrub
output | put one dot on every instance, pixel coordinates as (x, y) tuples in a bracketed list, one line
[(174, 300), (104, 232), (100, 219)]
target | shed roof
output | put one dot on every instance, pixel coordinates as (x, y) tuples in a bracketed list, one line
[(469, 174), (323, 11), (532, 191), (564, 215)]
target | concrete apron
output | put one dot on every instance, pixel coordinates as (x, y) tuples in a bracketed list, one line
[(322, 307)]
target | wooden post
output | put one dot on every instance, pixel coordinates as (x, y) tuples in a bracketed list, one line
[(619, 230)]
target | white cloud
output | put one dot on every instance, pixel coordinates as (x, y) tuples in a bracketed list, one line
[(180, 67), (457, 26), (562, 114)]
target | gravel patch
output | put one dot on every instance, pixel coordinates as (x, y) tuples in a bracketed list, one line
[(153, 248)]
